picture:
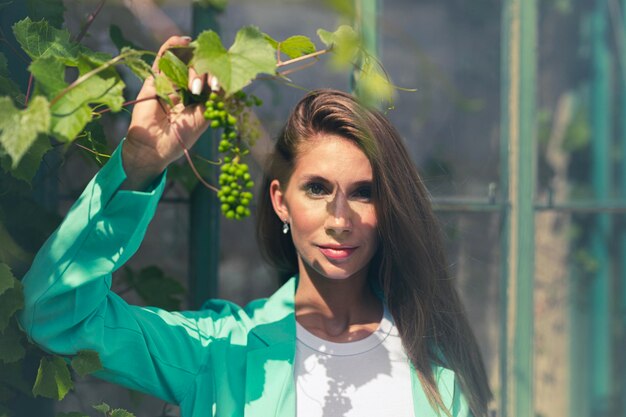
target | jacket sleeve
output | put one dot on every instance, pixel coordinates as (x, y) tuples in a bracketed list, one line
[(69, 305)]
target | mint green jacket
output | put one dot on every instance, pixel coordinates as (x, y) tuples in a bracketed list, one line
[(223, 360)]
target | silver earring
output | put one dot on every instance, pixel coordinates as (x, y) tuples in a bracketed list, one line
[(285, 227)]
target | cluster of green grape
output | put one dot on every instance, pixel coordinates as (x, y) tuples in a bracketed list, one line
[(235, 180)]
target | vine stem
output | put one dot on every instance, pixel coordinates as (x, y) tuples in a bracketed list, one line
[(95, 71), (30, 84), (193, 166), (302, 58), (90, 19), (127, 103)]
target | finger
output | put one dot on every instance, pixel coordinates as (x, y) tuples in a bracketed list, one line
[(197, 83), (172, 41)]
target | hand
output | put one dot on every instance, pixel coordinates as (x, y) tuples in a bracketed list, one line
[(158, 132)]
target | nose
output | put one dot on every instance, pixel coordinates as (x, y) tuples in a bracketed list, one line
[(339, 219)]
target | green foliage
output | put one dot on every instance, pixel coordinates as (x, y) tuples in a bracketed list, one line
[(154, 287), (40, 40), (137, 64), (31, 160), (175, 69), (86, 362), (19, 128), (102, 407), (11, 343), (11, 298), (93, 142), (53, 378), (250, 55), (346, 45), (294, 46)]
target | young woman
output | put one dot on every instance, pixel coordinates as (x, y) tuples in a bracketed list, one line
[(368, 322)]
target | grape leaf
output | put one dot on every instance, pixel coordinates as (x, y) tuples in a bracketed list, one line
[(10, 251), (294, 46), (141, 68), (102, 407), (19, 128), (7, 280), (11, 348), (71, 113), (345, 43), (372, 85), (155, 288), (249, 55), (28, 166), (164, 88), (38, 39), (53, 378), (174, 69), (49, 72), (11, 300), (118, 412), (86, 362), (93, 141), (51, 10)]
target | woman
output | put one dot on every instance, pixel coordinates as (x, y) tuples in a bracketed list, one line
[(368, 323)]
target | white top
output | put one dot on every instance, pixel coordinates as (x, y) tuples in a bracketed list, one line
[(367, 378)]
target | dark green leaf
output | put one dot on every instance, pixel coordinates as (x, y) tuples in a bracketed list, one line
[(39, 39), (53, 378), (121, 413), (10, 251), (86, 362), (7, 280), (11, 301), (28, 166), (294, 46), (155, 288), (249, 55), (51, 10), (19, 128), (11, 347), (102, 407), (345, 43), (174, 69)]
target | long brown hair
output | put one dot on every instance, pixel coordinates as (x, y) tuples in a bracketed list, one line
[(410, 265)]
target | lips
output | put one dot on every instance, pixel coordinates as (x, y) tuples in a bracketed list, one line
[(337, 252)]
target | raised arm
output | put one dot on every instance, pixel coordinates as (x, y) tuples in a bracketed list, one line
[(68, 302)]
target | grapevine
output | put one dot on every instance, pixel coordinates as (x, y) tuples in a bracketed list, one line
[(235, 180)]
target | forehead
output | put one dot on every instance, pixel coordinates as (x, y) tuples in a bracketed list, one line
[(332, 156)]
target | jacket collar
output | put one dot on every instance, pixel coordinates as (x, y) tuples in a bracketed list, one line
[(272, 352)]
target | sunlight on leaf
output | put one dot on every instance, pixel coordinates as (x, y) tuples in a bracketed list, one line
[(137, 65), (250, 55), (372, 85), (345, 43), (39, 39), (294, 46), (174, 69), (19, 128), (102, 407), (121, 413), (53, 378)]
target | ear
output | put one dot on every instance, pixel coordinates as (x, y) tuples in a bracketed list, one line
[(278, 201)]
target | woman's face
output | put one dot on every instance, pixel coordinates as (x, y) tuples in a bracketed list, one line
[(328, 205)]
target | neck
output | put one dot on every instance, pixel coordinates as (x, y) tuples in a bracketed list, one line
[(337, 309)]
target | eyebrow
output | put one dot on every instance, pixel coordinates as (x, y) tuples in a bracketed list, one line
[(319, 178)]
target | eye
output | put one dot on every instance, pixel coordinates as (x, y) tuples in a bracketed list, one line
[(314, 189), (364, 193)]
